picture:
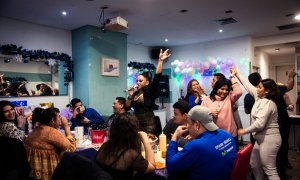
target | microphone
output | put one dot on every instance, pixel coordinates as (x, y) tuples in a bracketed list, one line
[(134, 88)]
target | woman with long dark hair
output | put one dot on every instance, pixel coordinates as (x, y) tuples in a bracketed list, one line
[(121, 154), (143, 97), (263, 126), (220, 102), (10, 126), (194, 93)]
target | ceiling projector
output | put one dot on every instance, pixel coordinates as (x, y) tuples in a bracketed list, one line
[(116, 24)]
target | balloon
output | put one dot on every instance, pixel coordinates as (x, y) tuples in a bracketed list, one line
[(190, 71), (180, 64), (176, 62), (213, 63), (206, 65), (229, 62), (200, 70), (222, 66), (177, 70)]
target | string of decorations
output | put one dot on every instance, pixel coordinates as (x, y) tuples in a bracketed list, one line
[(136, 68), (50, 58), (15, 80), (141, 66)]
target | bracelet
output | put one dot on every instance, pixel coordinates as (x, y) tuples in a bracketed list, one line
[(233, 83)]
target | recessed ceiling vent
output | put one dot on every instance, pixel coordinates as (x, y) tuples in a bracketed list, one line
[(288, 26), (226, 21)]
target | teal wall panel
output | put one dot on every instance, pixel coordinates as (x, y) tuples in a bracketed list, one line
[(100, 91), (80, 40)]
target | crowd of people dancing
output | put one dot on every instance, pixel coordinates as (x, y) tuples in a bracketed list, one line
[(205, 124)]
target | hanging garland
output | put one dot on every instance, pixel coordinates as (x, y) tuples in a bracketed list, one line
[(36, 55), (142, 67)]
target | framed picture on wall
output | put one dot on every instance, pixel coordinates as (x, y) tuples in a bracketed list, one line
[(110, 67)]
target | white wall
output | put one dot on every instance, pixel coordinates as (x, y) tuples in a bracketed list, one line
[(32, 37), (276, 39), (261, 60), (280, 60), (138, 53)]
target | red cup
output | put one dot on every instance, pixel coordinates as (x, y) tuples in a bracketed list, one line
[(97, 136)]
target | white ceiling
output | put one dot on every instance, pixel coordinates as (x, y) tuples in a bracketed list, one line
[(151, 21)]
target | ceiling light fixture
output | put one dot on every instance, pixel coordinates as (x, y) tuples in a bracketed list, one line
[(166, 40), (220, 30), (297, 17), (64, 13)]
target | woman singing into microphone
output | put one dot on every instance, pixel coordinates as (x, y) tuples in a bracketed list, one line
[(142, 98)]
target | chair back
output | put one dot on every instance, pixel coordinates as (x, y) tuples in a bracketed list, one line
[(13, 159), (76, 167), (241, 164)]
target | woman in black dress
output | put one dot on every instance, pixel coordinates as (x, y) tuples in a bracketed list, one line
[(143, 96)]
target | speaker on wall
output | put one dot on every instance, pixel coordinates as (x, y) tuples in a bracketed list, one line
[(154, 52), (163, 87)]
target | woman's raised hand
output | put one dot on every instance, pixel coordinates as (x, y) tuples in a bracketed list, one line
[(233, 71), (164, 55)]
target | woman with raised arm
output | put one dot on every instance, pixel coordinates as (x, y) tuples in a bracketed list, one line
[(221, 100), (142, 97), (264, 127)]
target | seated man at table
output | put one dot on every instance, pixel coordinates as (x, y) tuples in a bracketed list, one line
[(119, 107), (79, 116), (209, 154), (181, 108)]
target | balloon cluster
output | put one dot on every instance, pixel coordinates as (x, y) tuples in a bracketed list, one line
[(207, 68), (37, 55)]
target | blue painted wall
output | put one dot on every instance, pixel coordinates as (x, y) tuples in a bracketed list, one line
[(90, 45)]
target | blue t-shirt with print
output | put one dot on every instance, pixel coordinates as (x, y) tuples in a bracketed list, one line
[(210, 156)]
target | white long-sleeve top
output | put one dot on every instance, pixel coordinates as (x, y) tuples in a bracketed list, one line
[(263, 114)]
